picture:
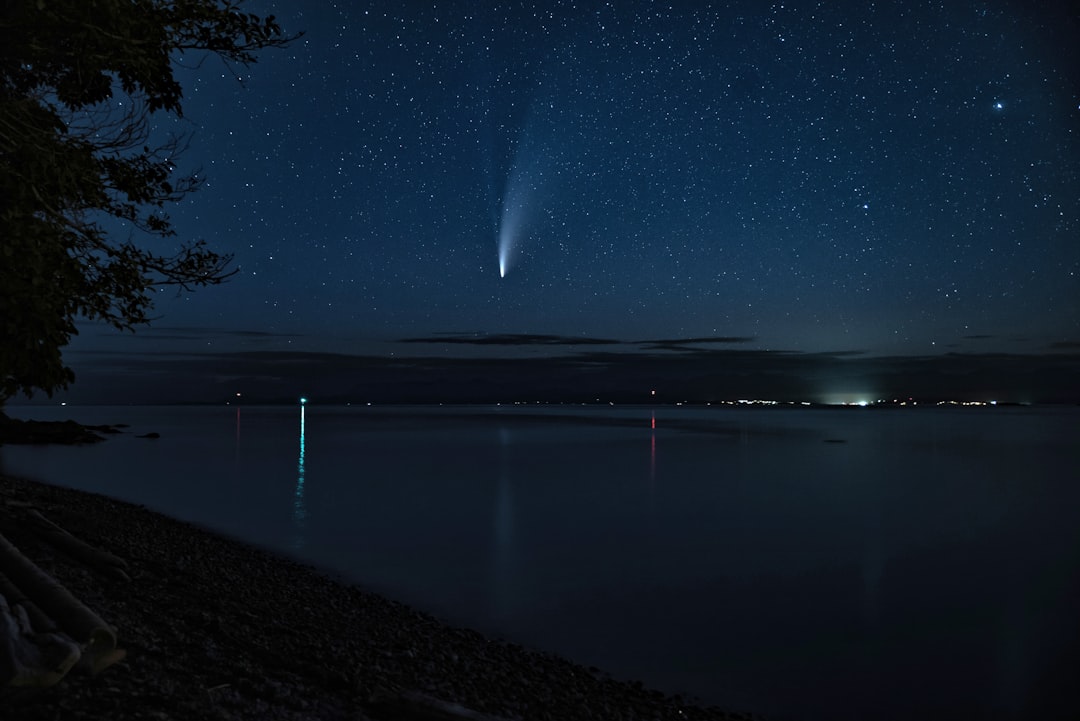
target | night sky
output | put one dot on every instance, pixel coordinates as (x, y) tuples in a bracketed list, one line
[(881, 179)]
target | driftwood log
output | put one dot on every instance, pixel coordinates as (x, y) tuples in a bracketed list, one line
[(103, 561), (45, 631), (29, 658), (417, 706)]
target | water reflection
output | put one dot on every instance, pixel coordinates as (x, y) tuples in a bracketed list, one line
[(652, 451), (503, 562), (926, 568), (299, 504), (235, 454)]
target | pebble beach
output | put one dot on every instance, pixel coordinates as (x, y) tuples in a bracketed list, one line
[(217, 629)]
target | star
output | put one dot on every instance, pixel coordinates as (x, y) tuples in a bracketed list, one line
[(556, 188)]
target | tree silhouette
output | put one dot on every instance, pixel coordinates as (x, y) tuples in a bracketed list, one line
[(80, 82)]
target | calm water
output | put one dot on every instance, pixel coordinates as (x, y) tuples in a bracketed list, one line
[(926, 567)]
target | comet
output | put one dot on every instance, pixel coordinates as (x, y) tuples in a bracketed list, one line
[(531, 181), (522, 196), (509, 231)]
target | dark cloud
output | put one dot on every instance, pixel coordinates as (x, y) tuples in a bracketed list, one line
[(512, 339), (1065, 345), (681, 344), (227, 333), (536, 339), (159, 332), (704, 339)]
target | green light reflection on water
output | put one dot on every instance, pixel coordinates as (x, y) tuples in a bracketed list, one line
[(299, 505)]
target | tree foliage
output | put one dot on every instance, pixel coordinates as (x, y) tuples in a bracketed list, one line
[(80, 82)]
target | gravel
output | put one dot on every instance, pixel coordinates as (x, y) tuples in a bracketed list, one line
[(217, 629)]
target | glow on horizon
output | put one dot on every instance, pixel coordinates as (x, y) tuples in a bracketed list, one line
[(848, 398)]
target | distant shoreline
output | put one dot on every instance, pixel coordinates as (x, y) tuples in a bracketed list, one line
[(741, 404)]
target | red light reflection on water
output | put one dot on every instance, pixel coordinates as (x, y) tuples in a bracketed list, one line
[(652, 450)]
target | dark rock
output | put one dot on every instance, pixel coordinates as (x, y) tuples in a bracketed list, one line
[(13, 430)]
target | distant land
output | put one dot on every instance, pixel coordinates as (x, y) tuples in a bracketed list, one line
[(657, 373)]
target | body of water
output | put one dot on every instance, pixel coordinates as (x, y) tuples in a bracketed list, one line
[(800, 563)]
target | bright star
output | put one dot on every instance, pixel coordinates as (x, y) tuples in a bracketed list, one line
[(998, 105)]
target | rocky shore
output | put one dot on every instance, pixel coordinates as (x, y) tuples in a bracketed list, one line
[(216, 629)]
